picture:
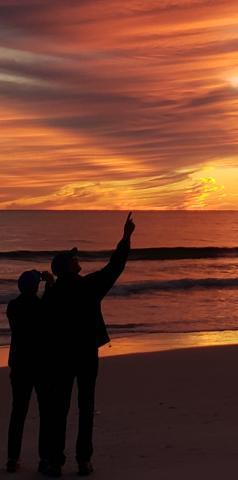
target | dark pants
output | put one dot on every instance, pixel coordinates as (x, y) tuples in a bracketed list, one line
[(22, 383), (84, 369)]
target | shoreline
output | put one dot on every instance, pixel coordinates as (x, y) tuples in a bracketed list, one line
[(152, 343)]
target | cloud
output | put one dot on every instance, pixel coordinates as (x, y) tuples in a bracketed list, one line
[(203, 193), (116, 90)]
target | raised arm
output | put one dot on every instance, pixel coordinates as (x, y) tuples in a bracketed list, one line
[(103, 280)]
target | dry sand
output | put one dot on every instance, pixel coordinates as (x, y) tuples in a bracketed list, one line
[(164, 416)]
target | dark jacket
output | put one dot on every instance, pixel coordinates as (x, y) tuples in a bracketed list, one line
[(73, 306), (24, 319)]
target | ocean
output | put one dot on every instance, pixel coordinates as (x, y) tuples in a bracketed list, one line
[(180, 282)]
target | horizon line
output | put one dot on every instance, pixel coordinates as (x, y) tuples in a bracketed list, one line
[(115, 210)]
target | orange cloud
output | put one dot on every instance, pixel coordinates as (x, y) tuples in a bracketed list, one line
[(101, 100)]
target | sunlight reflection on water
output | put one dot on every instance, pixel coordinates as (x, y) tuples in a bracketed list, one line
[(156, 343)]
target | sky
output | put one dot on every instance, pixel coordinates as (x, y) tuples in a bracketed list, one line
[(119, 104)]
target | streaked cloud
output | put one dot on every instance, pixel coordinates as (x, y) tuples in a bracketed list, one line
[(118, 104)]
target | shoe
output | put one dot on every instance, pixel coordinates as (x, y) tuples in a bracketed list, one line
[(12, 465), (84, 468)]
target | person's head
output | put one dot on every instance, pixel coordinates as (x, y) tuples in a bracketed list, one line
[(66, 262), (28, 282)]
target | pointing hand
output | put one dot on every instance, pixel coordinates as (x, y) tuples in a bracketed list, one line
[(129, 226)]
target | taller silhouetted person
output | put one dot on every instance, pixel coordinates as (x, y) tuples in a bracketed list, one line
[(73, 306)]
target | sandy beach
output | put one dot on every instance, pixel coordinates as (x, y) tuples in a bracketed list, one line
[(167, 415)]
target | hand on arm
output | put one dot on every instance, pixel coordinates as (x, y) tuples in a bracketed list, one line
[(129, 227), (48, 278)]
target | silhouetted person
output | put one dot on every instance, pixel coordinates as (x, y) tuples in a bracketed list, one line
[(26, 362), (78, 330)]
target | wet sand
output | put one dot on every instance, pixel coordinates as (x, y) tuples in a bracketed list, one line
[(166, 415)]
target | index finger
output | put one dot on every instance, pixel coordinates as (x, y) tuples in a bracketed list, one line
[(128, 216)]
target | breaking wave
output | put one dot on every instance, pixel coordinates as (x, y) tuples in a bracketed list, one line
[(157, 253)]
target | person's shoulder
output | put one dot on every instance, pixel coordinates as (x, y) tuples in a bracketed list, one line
[(78, 283), (87, 280), (13, 307), (74, 281), (14, 301), (23, 302)]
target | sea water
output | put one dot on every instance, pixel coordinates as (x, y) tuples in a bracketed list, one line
[(181, 278)]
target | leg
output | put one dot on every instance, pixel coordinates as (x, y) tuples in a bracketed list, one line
[(43, 389), (22, 386), (86, 379), (59, 408)]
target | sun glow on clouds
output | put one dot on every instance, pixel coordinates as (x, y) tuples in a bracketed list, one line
[(205, 192), (234, 81), (119, 104)]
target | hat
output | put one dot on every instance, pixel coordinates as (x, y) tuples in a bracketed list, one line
[(29, 281), (60, 262)]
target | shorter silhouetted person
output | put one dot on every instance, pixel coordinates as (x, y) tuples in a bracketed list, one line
[(77, 331), (26, 362)]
